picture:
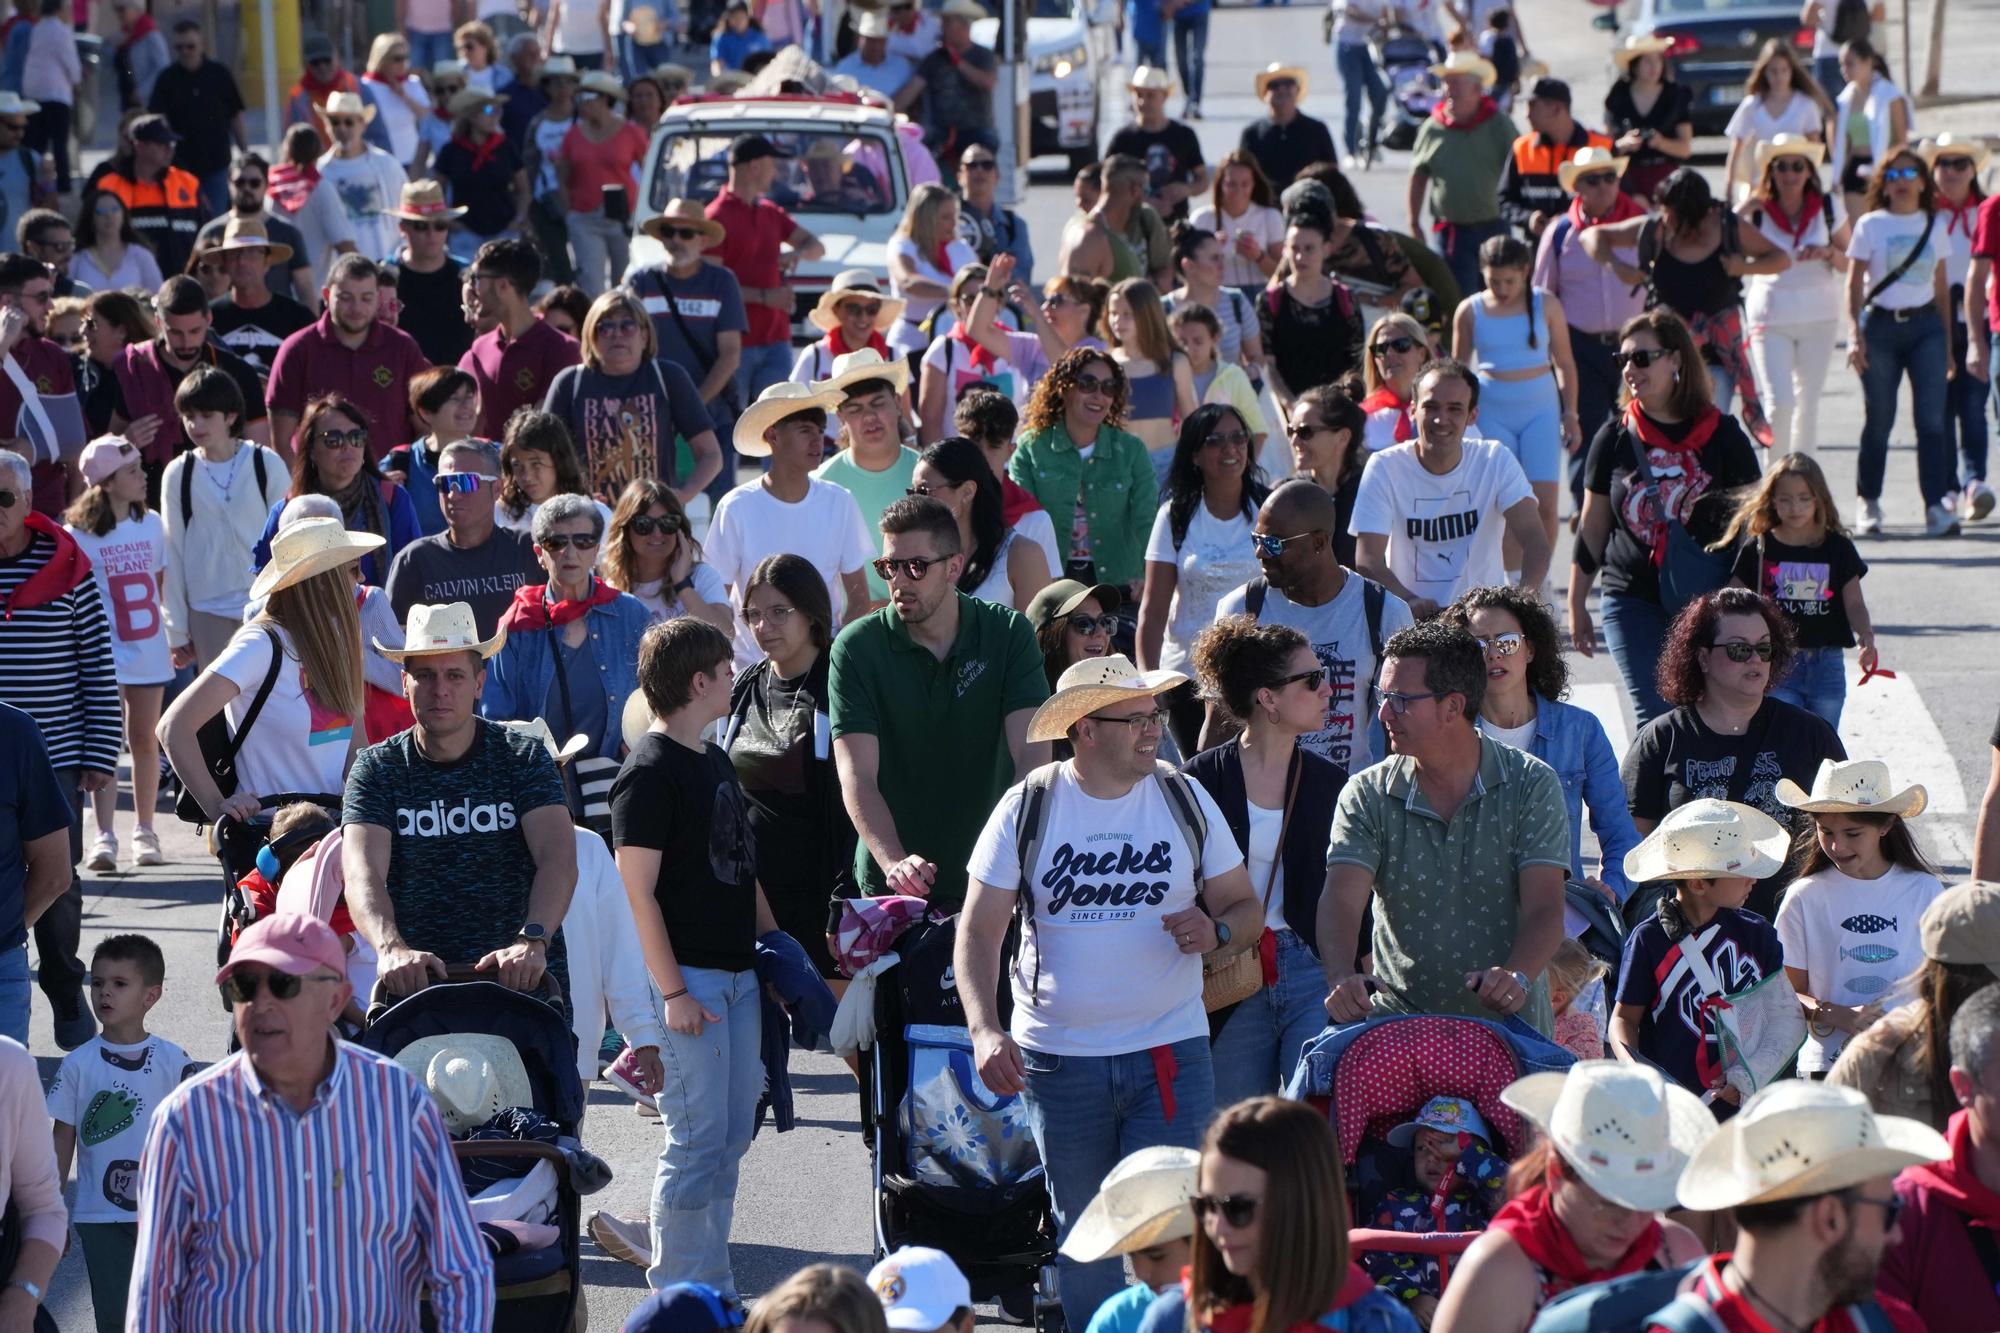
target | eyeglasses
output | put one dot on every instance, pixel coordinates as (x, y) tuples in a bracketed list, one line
[(1312, 680), (1597, 178), (1304, 430), (1139, 722), (1642, 357), (1902, 174), (1227, 439), (645, 525), (1095, 384), (1239, 1210), (1271, 548), (1398, 345), (344, 439), (625, 327), (861, 309), (459, 483), (1892, 1208), (1740, 652), (1399, 703), (1089, 625), (561, 541), (683, 233), (1947, 164), (978, 163), (243, 987), (1791, 165), (914, 567), (1502, 645), (1058, 300), (777, 615)]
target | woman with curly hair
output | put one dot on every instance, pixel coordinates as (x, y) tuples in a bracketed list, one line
[(1526, 679), (1078, 463), (1726, 737), (650, 553), (537, 462), (335, 459), (1326, 432)]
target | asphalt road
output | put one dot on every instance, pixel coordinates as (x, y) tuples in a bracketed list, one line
[(804, 1196)]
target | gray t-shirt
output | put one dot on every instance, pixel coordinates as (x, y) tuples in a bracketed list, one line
[(431, 570), (709, 301)]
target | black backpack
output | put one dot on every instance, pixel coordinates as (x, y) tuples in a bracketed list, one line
[(1373, 597), (1649, 245), (1850, 21), (187, 480)]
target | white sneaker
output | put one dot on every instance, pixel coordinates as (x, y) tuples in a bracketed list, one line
[(1978, 501), (146, 847), (103, 853), (1870, 522), (1940, 522), (622, 1238)]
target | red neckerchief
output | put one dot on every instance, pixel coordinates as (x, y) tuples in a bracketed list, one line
[(1959, 217), (1796, 228), (1441, 113), (292, 186), (1623, 206), (140, 28), (321, 89), (533, 610), (1648, 435), (1236, 1318), (1955, 1182), (1015, 501), (1531, 1220), (66, 568), (982, 360), (482, 152), (836, 342), (1385, 397)]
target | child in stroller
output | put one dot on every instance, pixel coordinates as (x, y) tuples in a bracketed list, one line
[(1457, 1183)]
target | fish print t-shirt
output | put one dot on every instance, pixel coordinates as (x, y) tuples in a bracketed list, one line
[(107, 1094), (128, 562), (1807, 582), (1106, 873), (1740, 947), (1856, 940), (298, 743), (1444, 531)]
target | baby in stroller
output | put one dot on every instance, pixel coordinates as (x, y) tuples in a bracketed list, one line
[(1459, 1183)]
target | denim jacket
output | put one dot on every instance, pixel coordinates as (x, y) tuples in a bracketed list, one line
[(1119, 488), (1572, 741), (519, 676)]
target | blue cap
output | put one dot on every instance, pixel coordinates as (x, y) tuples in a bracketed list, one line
[(685, 1307), (1446, 1115)]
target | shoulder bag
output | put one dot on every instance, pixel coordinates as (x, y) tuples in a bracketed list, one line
[(1241, 975), (1687, 570), (218, 747)]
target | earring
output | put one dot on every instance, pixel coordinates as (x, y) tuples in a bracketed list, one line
[(1677, 377)]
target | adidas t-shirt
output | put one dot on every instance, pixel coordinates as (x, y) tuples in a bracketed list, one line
[(107, 1094), (1106, 873), (1444, 531)]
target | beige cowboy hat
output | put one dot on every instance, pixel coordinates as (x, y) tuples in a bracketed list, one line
[(871, 23), (635, 719), (447, 69), (470, 99), (348, 104), (1962, 925), (1467, 62), (556, 67), (1142, 1203), (1151, 78), (1930, 150), (602, 82), (1789, 145), (866, 364), (1588, 160), (424, 201), (1280, 70), (537, 729), (730, 81), (1853, 787), (1091, 684), (13, 104), (781, 400), (854, 282), (472, 1076), (1797, 1138), (308, 547), (671, 73), (1624, 1128), (1707, 838), (241, 233), (970, 10), (684, 213), (1633, 47), (448, 627)]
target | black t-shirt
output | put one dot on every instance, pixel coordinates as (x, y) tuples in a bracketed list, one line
[(1693, 484), (779, 737), (1283, 149), (1311, 345), (1678, 758), (687, 805), (431, 311), (485, 191), (200, 104), (1807, 583), (256, 334), (1673, 108), (1171, 154)]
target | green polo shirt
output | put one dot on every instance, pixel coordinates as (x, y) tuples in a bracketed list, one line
[(1447, 892), (941, 726), (1465, 167)]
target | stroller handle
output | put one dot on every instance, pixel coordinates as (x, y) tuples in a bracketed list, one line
[(1377, 1239), (326, 801)]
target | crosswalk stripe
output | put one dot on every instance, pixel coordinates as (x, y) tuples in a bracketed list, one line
[(1887, 720), (1606, 702)]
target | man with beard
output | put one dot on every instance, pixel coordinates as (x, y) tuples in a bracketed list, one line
[(145, 376), (350, 351), (45, 234), (162, 201), (293, 276), (45, 427)]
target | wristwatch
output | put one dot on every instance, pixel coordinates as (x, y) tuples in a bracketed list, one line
[(685, 583), (1221, 934), (29, 1287), (1522, 977), (534, 933)]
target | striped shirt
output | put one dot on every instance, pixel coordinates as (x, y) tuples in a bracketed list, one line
[(337, 1218), (58, 661)]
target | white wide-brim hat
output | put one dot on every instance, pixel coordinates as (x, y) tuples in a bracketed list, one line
[(781, 400), (1467, 62), (1150, 78), (472, 1076), (1707, 839), (1091, 684), (855, 282), (1797, 1138), (1588, 160), (1633, 47), (1625, 1129), (866, 364), (1853, 787), (348, 104), (1930, 150), (1142, 1203), (449, 627), (636, 719), (307, 547), (537, 729)]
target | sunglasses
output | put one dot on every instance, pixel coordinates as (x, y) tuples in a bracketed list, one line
[(922, 488), (1088, 625), (1312, 680), (420, 228), (562, 541), (861, 309), (1398, 345), (242, 988), (1271, 548), (446, 91), (914, 567), (1902, 174), (1304, 430), (1743, 652), (343, 122), (1597, 178), (683, 233), (1642, 357), (646, 525), (1095, 384), (1502, 645), (1281, 83), (8, 499), (1227, 439), (1791, 165), (58, 247), (1058, 300), (459, 483), (1138, 722), (1946, 164), (978, 163), (624, 327), (1399, 703), (1239, 1210), (344, 439)]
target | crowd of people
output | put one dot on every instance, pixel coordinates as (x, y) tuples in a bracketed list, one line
[(650, 641)]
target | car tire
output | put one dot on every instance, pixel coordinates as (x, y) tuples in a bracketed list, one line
[(1079, 158)]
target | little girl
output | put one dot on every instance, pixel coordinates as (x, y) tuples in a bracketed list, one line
[(1849, 921), (1702, 947), (127, 546), (1793, 548), (1199, 333), (1571, 973)]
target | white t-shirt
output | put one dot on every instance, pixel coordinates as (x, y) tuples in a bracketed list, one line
[(1444, 531), (1856, 939), (1881, 240), (298, 744), (127, 563), (1521, 738), (399, 120), (1338, 632), (1215, 557), (707, 582), (997, 586), (1039, 528), (904, 335), (1259, 221), (1111, 980), (107, 1093), (825, 528), (368, 186), (1265, 826), (548, 136), (1754, 123)]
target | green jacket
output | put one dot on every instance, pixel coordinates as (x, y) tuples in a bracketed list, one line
[(1120, 493)]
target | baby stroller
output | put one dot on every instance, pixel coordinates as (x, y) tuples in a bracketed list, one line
[(536, 1289), (953, 1166), (236, 844), (1370, 1077), (1404, 60)]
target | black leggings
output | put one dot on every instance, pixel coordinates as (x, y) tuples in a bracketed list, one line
[(48, 133)]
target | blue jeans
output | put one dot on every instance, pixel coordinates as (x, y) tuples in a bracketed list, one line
[(1635, 630), (1965, 404), (635, 60), (427, 48), (1087, 1112), (1358, 75), (1260, 1041), (1918, 347), (708, 1108), (1827, 70), (1817, 681), (1191, 52), (15, 999), (1459, 244)]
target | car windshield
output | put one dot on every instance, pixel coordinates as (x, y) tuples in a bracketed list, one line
[(831, 170)]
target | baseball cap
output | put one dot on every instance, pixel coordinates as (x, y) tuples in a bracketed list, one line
[(920, 1288), (104, 456), (1446, 1115), (1962, 925), (750, 147), (153, 129), (290, 942), (1549, 90), (684, 1307), (317, 47)]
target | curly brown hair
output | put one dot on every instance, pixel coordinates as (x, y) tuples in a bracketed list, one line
[(1548, 673), (1680, 677), (1045, 409)]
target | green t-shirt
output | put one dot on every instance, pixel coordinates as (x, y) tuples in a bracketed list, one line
[(941, 726), (873, 492), (1465, 167), (1447, 894)]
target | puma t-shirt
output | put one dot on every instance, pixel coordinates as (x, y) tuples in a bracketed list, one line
[(1444, 531)]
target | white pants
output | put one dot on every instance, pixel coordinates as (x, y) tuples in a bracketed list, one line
[(601, 250), (1791, 361)]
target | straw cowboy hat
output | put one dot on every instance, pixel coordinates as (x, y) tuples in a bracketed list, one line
[(424, 201), (604, 83), (348, 104), (1626, 1130), (13, 104), (1962, 925), (556, 67), (1150, 79), (1930, 150), (1852, 787), (1142, 1203), (1706, 839), (1586, 161), (871, 23), (637, 717), (772, 406), (970, 10), (1632, 48), (241, 233), (1094, 683), (866, 364), (684, 213), (472, 1076), (1279, 70), (471, 99), (1798, 1138), (1789, 145), (537, 729), (308, 547), (447, 627), (1467, 62), (854, 282)]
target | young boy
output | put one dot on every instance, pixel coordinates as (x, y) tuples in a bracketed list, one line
[(104, 1093), (1141, 1211)]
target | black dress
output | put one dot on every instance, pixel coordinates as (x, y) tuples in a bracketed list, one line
[(1673, 108)]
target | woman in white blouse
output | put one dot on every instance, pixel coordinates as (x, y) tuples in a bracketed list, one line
[(1244, 218), (924, 255), (398, 95), (1783, 98)]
